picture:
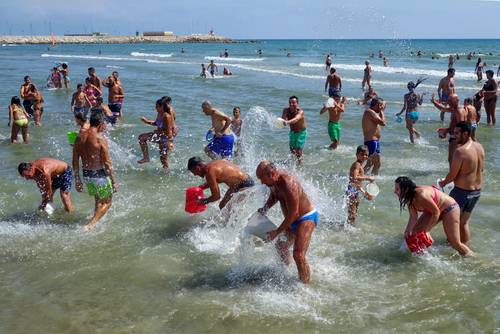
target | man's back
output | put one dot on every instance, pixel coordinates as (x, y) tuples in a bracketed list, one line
[(471, 156)]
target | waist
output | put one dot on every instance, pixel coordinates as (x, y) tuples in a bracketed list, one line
[(469, 191), (94, 173)]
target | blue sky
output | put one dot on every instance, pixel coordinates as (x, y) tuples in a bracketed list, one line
[(258, 18)]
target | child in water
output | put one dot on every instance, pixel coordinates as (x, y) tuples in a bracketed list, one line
[(236, 124), (355, 188)]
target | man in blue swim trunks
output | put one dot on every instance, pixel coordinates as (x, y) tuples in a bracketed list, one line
[(49, 174), (300, 216), (221, 147), (372, 122), (446, 88), (294, 116), (333, 83)]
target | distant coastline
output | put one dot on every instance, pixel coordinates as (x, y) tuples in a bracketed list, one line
[(195, 38)]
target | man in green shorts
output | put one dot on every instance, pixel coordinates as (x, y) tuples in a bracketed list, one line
[(294, 116), (97, 168), (335, 112)]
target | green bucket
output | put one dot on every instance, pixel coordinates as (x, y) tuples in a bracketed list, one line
[(72, 137)]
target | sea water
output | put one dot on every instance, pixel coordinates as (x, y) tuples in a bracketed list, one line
[(148, 267)]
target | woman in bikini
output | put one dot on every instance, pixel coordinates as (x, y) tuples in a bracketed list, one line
[(489, 90), (411, 102), (18, 119), (433, 206)]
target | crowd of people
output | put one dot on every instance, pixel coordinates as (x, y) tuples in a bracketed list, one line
[(426, 205)]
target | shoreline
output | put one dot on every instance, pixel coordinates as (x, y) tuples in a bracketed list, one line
[(195, 38)]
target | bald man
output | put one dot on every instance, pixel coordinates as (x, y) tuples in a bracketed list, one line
[(300, 216)]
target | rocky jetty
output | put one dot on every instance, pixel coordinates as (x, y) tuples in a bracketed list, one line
[(113, 39)]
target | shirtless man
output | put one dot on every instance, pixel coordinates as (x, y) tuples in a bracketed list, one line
[(97, 168), (367, 75), (212, 68), (490, 92), (222, 144), (466, 173), (446, 88), (65, 74), (472, 118), (116, 77), (34, 95), (236, 124), (333, 83), (80, 103), (328, 62), (300, 217), (94, 79), (372, 122), (294, 116), (23, 93), (335, 113), (451, 61), (115, 98), (220, 171), (49, 174), (457, 115)]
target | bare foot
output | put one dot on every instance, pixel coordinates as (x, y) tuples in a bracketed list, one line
[(143, 161), (88, 227)]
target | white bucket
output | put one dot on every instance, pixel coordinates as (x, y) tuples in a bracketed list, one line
[(259, 225), (279, 123), (447, 188), (372, 189)]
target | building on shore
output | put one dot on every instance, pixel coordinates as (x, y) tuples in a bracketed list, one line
[(158, 33)]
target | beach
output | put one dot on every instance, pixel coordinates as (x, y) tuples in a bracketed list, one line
[(149, 267)]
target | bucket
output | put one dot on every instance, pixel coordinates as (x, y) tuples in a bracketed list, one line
[(193, 194), (417, 243), (442, 132), (447, 188), (72, 135), (330, 103), (372, 189), (210, 136), (279, 123), (259, 225)]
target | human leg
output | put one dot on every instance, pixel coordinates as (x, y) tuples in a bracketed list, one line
[(302, 240), (101, 207), (24, 131), (143, 139), (451, 225), (14, 133), (66, 200)]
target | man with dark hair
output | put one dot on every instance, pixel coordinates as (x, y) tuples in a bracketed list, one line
[(333, 83), (80, 103), (115, 97), (446, 89), (372, 121), (300, 216), (97, 168), (294, 116), (457, 115), (466, 173), (49, 174), (94, 79), (220, 171)]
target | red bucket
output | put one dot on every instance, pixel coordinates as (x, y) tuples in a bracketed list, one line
[(192, 196), (417, 243), (442, 132)]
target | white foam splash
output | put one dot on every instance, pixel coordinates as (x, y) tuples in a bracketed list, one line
[(233, 59), (159, 55), (392, 70)]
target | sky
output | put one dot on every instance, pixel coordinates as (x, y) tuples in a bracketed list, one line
[(257, 19)]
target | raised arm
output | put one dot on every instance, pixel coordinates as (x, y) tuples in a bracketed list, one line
[(298, 117)]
